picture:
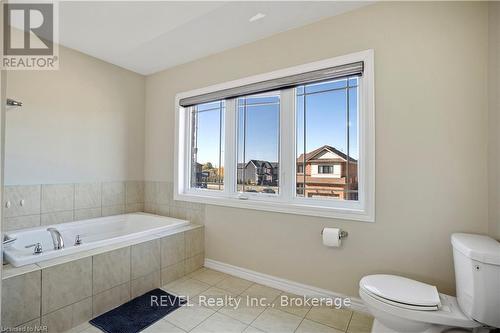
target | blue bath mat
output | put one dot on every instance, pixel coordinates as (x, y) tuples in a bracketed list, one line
[(139, 313)]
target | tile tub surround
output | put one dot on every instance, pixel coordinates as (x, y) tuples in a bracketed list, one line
[(58, 203), (203, 318), (158, 199), (67, 291)]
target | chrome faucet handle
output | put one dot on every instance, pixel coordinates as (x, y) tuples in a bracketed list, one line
[(37, 248), (78, 240), (7, 240)]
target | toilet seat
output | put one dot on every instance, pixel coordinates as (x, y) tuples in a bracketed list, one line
[(401, 291), (402, 305), (449, 314)]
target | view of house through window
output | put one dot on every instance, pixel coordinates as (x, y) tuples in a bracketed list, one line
[(327, 146), (207, 146), (326, 142), (299, 140), (258, 143)]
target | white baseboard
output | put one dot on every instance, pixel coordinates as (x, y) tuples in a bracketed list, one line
[(281, 284)]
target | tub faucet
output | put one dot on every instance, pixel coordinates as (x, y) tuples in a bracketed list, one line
[(56, 238)]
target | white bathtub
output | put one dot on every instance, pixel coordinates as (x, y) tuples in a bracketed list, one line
[(93, 233)]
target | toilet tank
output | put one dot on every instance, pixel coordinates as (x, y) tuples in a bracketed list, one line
[(477, 273)]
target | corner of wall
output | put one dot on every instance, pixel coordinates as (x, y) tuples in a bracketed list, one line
[(494, 118)]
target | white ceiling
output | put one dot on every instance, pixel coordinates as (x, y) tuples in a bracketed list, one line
[(147, 37)]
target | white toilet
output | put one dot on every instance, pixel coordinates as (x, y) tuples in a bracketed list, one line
[(404, 305)]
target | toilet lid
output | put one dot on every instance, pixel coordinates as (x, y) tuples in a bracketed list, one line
[(401, 290)]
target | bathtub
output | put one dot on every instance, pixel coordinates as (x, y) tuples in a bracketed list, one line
[(93, 233)]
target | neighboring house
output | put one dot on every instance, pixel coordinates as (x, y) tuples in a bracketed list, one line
[(206, 175), (257, 172), (201, 176), (328, 173)]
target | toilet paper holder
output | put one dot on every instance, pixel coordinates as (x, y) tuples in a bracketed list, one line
[(342, 234)]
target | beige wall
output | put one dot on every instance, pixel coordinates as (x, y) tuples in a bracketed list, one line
[(83, 122), (494, 119), (431, 145)]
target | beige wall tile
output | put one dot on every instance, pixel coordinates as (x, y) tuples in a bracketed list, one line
[(178, 212), (31, 195), (145, 258), (144, 284), (113, 210), (134, 192), (66, 284), (82, 311), (194, 263), (135, 207), (196, 215), (21, 299), (150, 208), (172, 273), (110, 298), (110, 269), (57, 217), (165, 193), (88, 213), (195, 242), (150, 192), (163, 210), (87, 195), (57, 197), (173, 249), (113, 193), (20, 222), (69, 316)]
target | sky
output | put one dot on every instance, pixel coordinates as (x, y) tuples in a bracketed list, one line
[(325, 118)]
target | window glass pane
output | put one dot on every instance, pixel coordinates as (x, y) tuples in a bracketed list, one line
[(323, 86), (258, 143), (327, 147), (207, 146)]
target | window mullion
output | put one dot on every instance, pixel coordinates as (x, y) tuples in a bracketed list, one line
[(287, 145), (230, 159)]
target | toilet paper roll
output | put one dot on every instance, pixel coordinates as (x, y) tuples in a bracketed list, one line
[(331, 237)]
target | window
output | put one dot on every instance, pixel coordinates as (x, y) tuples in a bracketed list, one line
[(207, 146), (258, 143), (298, 140), (326, 114)]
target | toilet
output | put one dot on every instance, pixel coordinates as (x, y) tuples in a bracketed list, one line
[(403, 305)]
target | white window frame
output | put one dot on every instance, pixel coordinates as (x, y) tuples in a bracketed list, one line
[(286, 201)]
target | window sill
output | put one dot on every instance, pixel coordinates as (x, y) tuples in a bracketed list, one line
[(265, 204)]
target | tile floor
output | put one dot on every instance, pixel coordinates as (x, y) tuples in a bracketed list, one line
[(249, 319)]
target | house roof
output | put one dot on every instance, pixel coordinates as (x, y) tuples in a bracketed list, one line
[(312, 154), (260, 163)]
